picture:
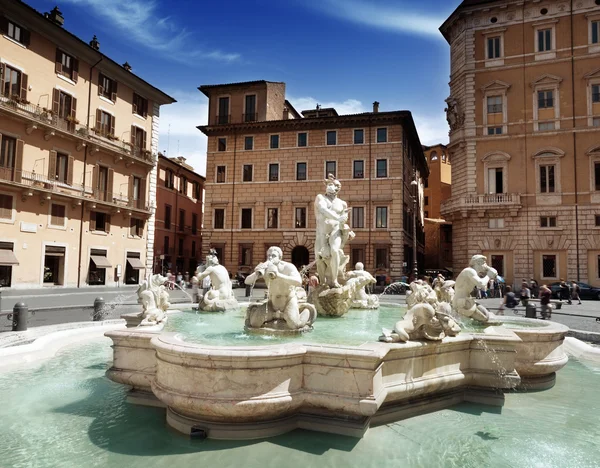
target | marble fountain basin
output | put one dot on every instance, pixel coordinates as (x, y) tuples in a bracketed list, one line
[(249, 392)]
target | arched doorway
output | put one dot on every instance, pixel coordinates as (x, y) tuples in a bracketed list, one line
[(300, 256)]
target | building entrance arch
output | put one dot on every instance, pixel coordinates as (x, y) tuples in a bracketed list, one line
[(300, 256)]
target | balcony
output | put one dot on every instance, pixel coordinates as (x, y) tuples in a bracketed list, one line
[(475, 202), (250, 117), (222, 119), (32, 182), (49, 122)]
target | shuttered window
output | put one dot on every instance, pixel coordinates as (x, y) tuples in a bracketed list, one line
[(140, 105), (57, 215), (107, 87), (6, 205), (67, 65)]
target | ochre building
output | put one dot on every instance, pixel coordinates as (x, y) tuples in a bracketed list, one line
[(524, 115), (77, 173), (178, 226), (438, 231), (266, 163)]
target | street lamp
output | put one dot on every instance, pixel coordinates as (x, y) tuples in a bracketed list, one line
[(415, 184)]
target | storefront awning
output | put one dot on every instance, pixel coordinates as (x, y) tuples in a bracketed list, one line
[(7, 257), (100, 262), (136, 263)]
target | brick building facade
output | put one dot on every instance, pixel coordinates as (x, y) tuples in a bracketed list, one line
[(266, 163), (524, 115), (178, 226)]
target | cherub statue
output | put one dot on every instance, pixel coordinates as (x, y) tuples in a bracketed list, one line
[(154, 298), (361, 299)]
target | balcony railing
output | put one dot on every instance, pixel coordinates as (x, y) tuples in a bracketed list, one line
[(250, 117), (486, 201), (222, 119), (44, 184), (49, 119)]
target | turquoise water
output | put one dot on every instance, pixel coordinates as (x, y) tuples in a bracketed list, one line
[(355, 328), (66, 413)]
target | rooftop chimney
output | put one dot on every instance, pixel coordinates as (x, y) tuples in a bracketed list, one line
[(94, 43), (126, 66), (375, 107), (55, 16)]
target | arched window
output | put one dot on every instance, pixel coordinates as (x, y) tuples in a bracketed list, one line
[(434, 156)]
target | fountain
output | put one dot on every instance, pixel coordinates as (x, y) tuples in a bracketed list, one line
[(220, 295)]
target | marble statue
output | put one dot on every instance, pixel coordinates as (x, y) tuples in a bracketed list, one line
[(153, 296), (285, 309), (427, 318), (477, 275), (362, 300), (220, 295)]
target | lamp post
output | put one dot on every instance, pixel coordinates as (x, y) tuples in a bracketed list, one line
[(415, 184)]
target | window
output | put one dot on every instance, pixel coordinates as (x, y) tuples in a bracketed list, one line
[(597, 217), (301, 171), (273, 172), (381, 257), (358, 170), (545, 99), (246, 218), (167, 216), (548, 221), (247, 173), (359, 136), (107, 87), (544, 40), (597, 175), (274, 141), (381, 217), (6, 206), (596, 122), (246, 255), (549, 266), (105, 123), (382, 168), (357, 254), (595, 26), (272, 218), (194, 223), (495, 180), (166, 245), (97, 268), (219, 218), (426, 182), (494, 131), (434, 156), (221, 174), (99, 221), (183, 185), (197, 191), (596, 93), (426, 200), (222, 144), (181, 220), (496, 223), (62, 168), (497, 262), (331, 137), (249, 143), (358, 217), (302, 139), (381, 135), (493, 47), (330, 168), (494, 104), (545, 126), (180, 249), (136, 227), (300, 216), (17, 33), (193, 249), (140, 105), (66, 65), (57, 215), (223, 117), (250, 115), (547, 179), (11, 82)]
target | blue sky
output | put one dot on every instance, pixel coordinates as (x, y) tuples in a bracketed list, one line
[(340, 53)]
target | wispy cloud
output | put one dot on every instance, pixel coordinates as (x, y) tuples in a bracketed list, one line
[(349, 106), (144, 24), (402, 17), (432, 129)]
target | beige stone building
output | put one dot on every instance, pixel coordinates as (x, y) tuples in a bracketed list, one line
[(438, 231), (524, 114), (77, 173), (266, 163)]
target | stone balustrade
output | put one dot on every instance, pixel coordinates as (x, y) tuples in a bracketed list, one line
[(481, 201)]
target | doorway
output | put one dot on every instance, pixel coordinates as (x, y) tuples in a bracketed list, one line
[(300, 256), (54, 265)]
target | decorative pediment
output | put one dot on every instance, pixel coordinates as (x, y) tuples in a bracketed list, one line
[(495, 156), (593, 74), (593, 150), (545, 79), (495, 85), (548, 152)]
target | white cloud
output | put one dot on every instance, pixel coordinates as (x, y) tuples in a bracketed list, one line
[(399, 18), (178, 135), (142, 23), (432, 129), (349, 106)]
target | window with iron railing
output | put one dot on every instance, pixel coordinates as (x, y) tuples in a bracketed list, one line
[(8, 154), (11, 82), (223, 116), (250, 109)]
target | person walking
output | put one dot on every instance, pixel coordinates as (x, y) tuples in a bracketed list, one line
[(533, 285), (575, 292), (565, 293), (510, 301), (546, 307), (525, 294)]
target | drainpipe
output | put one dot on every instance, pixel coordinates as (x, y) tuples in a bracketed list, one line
[(574, 147), (85, 156), (370, 208)]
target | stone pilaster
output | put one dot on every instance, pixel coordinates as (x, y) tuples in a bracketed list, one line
[(152, 190)]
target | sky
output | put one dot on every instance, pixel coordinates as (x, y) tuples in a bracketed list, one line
[(338, 53)]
